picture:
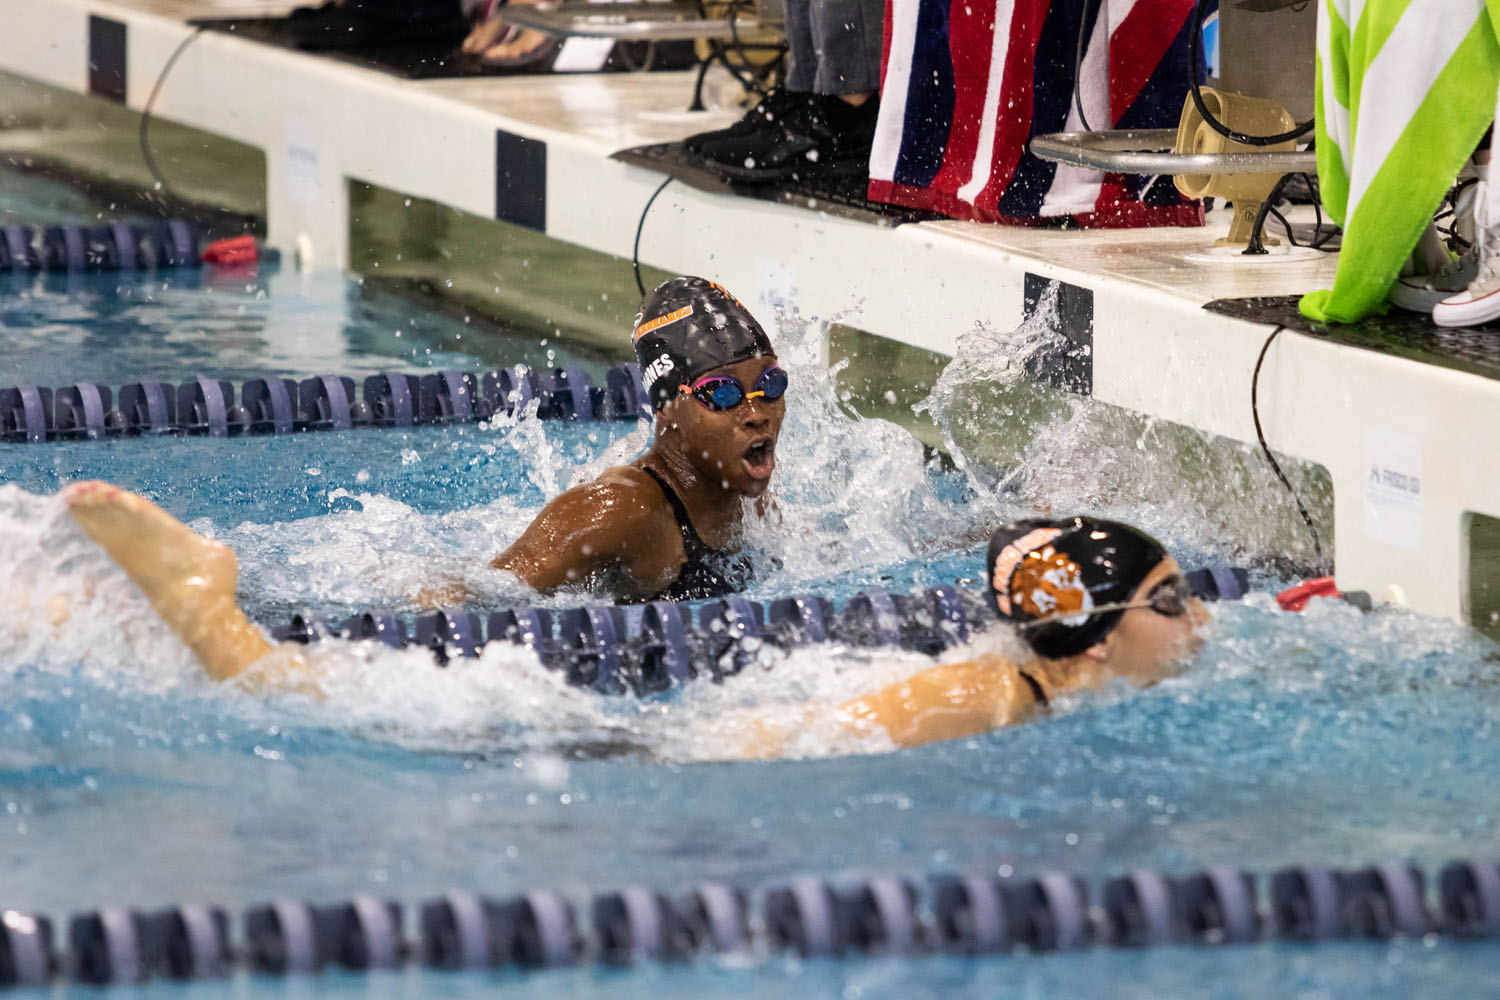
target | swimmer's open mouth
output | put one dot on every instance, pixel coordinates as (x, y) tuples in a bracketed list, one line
[(760, 458)]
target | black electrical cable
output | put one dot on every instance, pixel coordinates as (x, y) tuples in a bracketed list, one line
[(1286, 227), (758, 75), (1195, 90), (1256, 245), (1320, 238), (1450, 210), (1266, 449), (1083, 35), (161, 181), (750, 77), (635, 257)]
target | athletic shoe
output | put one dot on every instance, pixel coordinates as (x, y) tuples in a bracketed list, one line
[(774, 107), (1420, 293), (1480, 302), (827, 138)]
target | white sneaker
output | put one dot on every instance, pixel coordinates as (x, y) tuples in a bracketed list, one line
[(1480, 302), (1421, 293)]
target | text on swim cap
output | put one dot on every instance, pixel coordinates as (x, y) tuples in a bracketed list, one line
[(661, 321), (1005, 562), (726, 294), (656, 370)]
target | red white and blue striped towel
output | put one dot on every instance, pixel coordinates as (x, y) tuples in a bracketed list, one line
[(967, 83)]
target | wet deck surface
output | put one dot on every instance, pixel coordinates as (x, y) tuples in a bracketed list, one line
[(1399, 333)]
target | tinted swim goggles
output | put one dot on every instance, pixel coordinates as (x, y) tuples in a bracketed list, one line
[(1168, 599), (720, 392)]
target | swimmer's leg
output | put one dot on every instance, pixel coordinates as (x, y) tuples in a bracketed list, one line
[(189, 579)]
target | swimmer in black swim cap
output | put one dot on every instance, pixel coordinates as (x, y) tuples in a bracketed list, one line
[(687, 327), (1066, 583), (1092, 599), (665, 527), (662, 527)]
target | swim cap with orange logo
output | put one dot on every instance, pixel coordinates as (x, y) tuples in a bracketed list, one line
[(1055, 571), (686, 328)]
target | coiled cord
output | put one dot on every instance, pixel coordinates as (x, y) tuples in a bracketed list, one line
[(151, 164), (1195, 90), (635, 253), (1266, 448)]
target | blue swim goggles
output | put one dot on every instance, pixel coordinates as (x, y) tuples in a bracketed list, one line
[(720, 392)]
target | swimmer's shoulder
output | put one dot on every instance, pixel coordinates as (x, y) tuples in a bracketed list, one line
[(631, 491), (643, 532), (616, 507), (626, 504), (1012, 692)]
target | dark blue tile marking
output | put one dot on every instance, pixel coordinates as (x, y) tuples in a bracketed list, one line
[(1067, 361), (107, 58), (521, 180)]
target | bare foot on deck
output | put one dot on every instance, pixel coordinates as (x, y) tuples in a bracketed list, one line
[(497, 44), (189, 579)]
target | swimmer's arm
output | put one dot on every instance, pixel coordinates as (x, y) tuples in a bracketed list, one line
[(614, 520), (941, 703), (944, 703)]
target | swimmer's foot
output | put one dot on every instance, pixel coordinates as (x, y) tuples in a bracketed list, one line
[(485, 34), (519, 49), (189, 579)]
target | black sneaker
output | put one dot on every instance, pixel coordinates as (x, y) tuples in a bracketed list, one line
[(774, 107), (828, 138)]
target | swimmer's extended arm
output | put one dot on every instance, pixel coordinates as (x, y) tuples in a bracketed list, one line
[(619, 519), (189, 580), (945, 703)]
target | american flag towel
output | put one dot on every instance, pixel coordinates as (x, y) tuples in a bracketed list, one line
[(967, 83)]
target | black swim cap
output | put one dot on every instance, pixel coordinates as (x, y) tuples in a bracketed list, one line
[(1040, 568), (686, 328)]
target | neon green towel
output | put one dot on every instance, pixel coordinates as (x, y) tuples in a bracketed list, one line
[(1405, 90)]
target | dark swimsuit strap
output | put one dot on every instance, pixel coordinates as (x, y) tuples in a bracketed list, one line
[(693, 545), (1036, 688)]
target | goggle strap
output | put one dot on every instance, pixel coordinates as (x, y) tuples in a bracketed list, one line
[(1099, 609)]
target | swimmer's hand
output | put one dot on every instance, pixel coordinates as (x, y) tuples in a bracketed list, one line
[(287, 669), (795, 730), (442, 594), (763, 739)]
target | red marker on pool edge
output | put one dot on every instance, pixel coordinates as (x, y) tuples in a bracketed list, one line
[(237, 251), (1296, 598)]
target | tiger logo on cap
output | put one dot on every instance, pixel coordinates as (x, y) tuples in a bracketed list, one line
[(1010, 557), (1049, 584)]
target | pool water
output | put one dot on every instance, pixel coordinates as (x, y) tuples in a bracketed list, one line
[(1329, 736)]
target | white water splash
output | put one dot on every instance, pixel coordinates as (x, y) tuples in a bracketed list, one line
[(850, 492), (1031, 449)]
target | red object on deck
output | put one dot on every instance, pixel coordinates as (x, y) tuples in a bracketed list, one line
[(1296, 598), (233, 252)]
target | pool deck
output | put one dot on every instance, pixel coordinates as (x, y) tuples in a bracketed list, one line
[(1396, 433)]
